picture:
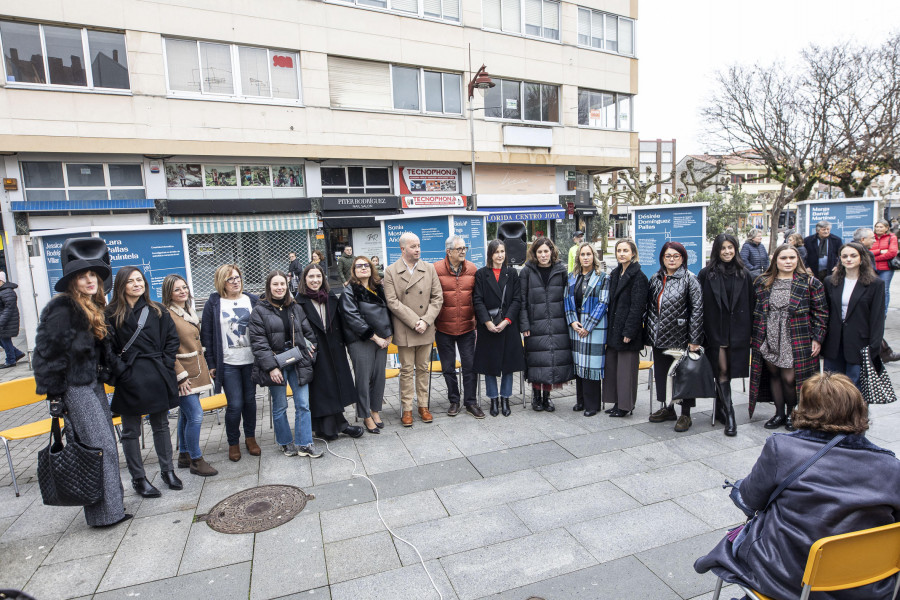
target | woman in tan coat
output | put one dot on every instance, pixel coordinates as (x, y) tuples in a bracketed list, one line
[(191, 373)]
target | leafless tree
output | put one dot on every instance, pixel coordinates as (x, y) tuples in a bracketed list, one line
[(701, 177), (639, 190), (603, 198)]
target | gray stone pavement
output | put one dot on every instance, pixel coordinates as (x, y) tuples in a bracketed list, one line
[(557, 506)]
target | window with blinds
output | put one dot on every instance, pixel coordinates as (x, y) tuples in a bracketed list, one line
[(605, 110), (522, 101), (359, 83), (445, 10), (537, 18), (605, 31)]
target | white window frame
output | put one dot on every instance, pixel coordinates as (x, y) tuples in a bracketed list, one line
[(67, 188), (420, 14), (237, 93), (521, 32), (616, 97), (603, 15), (422, 108), (89, 86), (345, 190), (522, 103)]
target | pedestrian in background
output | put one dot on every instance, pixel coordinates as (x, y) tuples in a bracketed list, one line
[(345, 264), (377, 266), (577, 238), (796, 240), (9, 322), (754, 254), (822, 250), (884, 249)]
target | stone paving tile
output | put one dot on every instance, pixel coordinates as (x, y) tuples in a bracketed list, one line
[(417, 479), (248, 465), (406, 583), (81, 541), (621, 534), (382, 453), (428, 447), (674, 563), (157, 541), (622, 579), (40, 520), (666, 431), (459, 533), (362, 519), (677, 450), (519, 458), (330, 468), (20, 558), (13, 506), (275, 573), (886, 427), (68, 579), (322, 593), (470, 437), (604, 441), (360, 556), (173, 500), (232, 581), (558, 553), (591, 469), (734, 465), (296, 472), (728, 591), (339, 494), (669, 482), (556, 427), (573, 506), (518, 429), (5, 522), (751, 434), (206, 549), (215, 490), (712, 506), (466, 497)]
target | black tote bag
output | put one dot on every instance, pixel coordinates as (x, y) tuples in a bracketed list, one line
[(693, 377), (70, 474)]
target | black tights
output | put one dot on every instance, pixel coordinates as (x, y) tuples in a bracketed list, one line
[(723, 365), (782, 384)]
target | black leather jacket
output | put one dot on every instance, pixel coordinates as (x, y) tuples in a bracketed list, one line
[(364, 313), (675, 319)]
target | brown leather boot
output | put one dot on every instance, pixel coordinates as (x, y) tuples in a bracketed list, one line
[(234, 453), (202, 468), (184, 460), (252, 447), (426, 416), (406, 419)]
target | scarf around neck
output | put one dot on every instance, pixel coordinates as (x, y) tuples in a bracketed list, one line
[(187, 313)]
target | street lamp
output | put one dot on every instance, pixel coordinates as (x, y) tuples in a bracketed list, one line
[(482, 81)]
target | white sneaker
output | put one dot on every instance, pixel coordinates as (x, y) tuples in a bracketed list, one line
[(309, 451)]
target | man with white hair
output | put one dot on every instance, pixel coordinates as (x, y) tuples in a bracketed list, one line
[(822, 250), (414, 297), (866, 237)]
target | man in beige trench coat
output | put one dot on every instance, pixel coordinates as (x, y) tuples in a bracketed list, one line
[(414, 297)]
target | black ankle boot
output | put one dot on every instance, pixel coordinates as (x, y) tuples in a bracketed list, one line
[(172, 480), (579, 395), (788, 419), (145, 488), (728, 409), (548, 404), (536, 402), (504, 406), (495, 407)]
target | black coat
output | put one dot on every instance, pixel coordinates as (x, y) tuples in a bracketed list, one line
[(864, 325), (675, 319), (627, 303), (211, 334), (364, 313), (148, 385), (727, 324), (548, 352), (498, 353), (268, 337), (66, 353), (9, 311), (811, 243), (331, 388)]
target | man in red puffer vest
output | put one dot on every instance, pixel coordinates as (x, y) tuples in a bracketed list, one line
[(455, 325)]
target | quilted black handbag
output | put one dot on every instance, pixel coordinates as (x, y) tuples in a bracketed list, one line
[(70, 474), (693, 377), (874, 383)]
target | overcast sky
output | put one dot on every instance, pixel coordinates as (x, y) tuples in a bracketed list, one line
[(682, 43)]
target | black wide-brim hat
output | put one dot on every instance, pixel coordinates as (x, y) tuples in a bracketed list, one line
[(84, 254)]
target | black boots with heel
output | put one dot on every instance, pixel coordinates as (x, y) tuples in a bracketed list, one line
[(727, 408), (495, 407)]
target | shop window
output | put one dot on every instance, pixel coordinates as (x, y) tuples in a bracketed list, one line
[(63, 56), (534, 18), (355, 180), (188, 175), (540, 101), (607, 110), (82, 181), (605, 31)]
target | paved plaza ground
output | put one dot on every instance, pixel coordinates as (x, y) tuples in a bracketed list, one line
[(557, 506)]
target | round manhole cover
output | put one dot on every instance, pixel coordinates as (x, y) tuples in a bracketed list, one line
[(257, 509)]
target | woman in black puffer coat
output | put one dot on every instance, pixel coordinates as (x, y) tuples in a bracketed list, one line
[(674, 321), (625, 340), (542, 320), (277, 325)]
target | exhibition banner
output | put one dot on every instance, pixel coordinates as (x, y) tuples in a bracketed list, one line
[(845, 216), (471, 229), (432, 232), (156, 253), (656, 225)]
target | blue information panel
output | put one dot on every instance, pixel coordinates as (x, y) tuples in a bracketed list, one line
[(432, 232), (682, 223), (52, 248), (471, 229), (845, 217), (157, 253)]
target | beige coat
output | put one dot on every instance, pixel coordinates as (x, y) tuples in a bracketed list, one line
[(189, 362), (411, 297)]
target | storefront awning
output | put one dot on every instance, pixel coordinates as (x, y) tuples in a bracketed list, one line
[(246, 223), (533, 213)]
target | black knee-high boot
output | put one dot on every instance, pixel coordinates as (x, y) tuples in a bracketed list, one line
[(536, 402), (727, 408)]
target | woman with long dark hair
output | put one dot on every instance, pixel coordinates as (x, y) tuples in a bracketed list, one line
[(674, 322), (627, 302), (498, 344), (331, 388), (278, 325), (789, 323), (191, 374), (368, 330), (727, 315), (855, 297), (548, 354), (71, 351), (150, 387)]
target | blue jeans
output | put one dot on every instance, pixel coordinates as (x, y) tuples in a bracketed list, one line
[(302, 419), (240, 393), (190, 417), (490, 385), (840, 365), (886, 277), (12, 353)]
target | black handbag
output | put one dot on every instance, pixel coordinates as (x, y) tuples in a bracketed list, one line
[(874, 382), (70, 474), (693, 377), (894, 263)]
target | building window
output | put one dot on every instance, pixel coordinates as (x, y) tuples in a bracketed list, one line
[(445, 10), (539, 101), (63, 56), (83, 181), (607, 110), (188, 175), (355, 180), (231, 71), (605, 31), (426, 91), (536, 18)]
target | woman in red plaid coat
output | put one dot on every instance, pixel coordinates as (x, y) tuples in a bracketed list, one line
[(789, 324)]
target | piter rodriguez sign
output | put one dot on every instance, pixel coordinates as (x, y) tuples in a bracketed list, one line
[(360, 202)]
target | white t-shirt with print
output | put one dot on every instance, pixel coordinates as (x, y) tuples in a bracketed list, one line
[(234, 318)]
